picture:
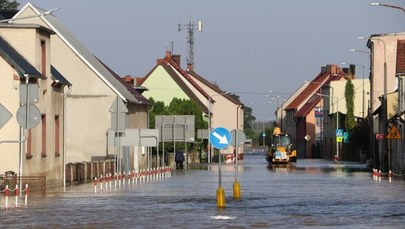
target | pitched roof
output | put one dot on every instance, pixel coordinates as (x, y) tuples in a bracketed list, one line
[(214, 87), (308, 99), (17, 61), (175, 72), (128, 87), (86, 56), (57, 76), (308, 106)]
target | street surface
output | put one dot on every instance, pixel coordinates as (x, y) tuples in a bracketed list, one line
[(311, 194)]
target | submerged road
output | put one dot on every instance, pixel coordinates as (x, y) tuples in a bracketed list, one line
[(310, 194)]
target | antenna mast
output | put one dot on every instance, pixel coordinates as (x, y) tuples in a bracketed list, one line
[(190, 26)]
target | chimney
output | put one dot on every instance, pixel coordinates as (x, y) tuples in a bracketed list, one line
[(168, 54), (190, 67), (128, 79), (352, 71), (323, 69), (176, 59)]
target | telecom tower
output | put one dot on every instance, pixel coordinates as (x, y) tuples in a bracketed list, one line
[(190, 26)]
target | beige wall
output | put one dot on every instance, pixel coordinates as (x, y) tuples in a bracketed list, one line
[(390, 51), (27, 41), (162, 87), (225, 113), (87, 106)]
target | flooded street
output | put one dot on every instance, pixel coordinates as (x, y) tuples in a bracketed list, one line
[(313, 193)]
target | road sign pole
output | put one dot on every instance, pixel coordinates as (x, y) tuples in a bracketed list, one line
[(220, 139)]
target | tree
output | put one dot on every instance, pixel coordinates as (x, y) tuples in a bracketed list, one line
[(9, 5), (177, 107), (350, 122)]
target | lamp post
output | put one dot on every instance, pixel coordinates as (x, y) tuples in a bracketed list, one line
[(45, 13), (387, 5), (337, 117)]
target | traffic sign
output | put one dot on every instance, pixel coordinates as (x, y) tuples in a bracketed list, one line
[(118, 106), (339, 132), (220, 138), (238, 137), (394, 133), (339, 139), (5, 115), (33, 118), (379, 136), (346, 136)]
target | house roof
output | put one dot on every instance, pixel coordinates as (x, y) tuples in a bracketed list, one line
[(308, 99), (308, 106), (128, 87), (17, 61), (214, 87), (86, 56), (175, 72), (7, 14), (171, 65), (57, 76)]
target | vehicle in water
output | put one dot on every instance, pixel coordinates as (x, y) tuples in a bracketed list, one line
[(281, 150)]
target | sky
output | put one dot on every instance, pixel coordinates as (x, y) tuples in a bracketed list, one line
[(261, 50)]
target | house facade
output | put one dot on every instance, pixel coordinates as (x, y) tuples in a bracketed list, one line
[(386, 53), (33, 147), (167, 80), (94, 89), (286, 120), (336, 91), (307, 111)]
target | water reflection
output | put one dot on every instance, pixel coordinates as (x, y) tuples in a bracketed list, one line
[(311, 193)]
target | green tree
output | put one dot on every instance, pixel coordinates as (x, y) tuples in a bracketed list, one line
[(158, 108), (350, 121), (9, 5), (177, 107), (187, 107)]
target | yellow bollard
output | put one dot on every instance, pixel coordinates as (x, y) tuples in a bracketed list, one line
[(220, 197), (236, 190)]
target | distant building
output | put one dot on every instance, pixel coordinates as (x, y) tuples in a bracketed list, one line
[(167, 80), (306, 109)]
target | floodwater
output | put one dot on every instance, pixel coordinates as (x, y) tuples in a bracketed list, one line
[(310, 194)]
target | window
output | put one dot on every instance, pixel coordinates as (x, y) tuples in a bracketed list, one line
[(57, 129), (29, 145), (43, 119), (43, 57)]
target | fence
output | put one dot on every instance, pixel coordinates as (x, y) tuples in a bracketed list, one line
[(35, 182), (84, 172)]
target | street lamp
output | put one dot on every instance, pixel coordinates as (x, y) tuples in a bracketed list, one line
[(358, 50), (387, 5), (45, 13), (337, 117)]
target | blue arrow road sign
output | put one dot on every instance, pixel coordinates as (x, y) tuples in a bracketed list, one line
[(339, 132), (220, 138)]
